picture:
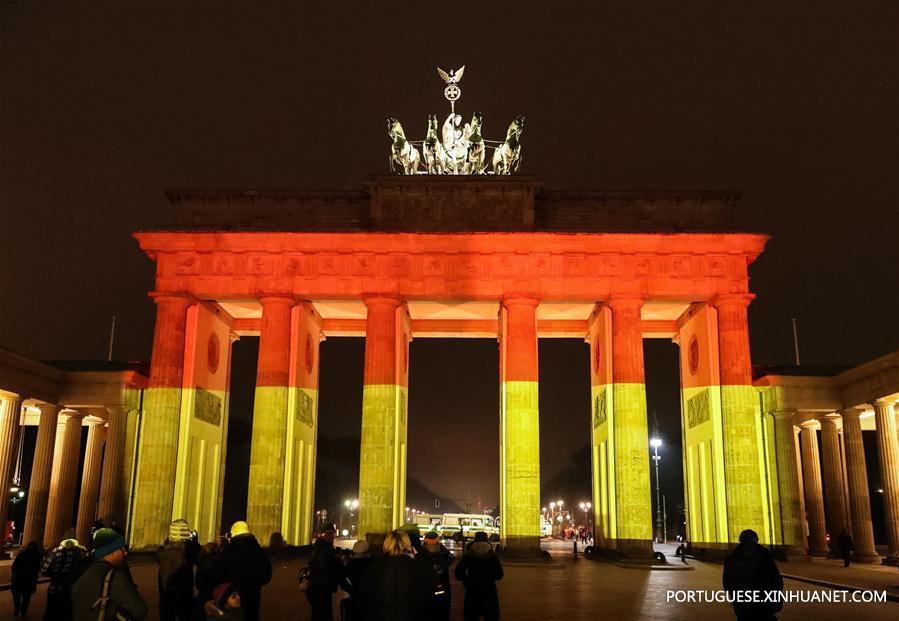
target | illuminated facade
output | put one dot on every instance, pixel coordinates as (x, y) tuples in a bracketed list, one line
[(462, 257)]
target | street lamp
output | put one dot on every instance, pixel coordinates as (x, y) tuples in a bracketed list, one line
[(655, 443), (585, 507)]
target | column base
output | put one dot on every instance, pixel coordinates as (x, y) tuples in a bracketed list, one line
[(890, 560), (522, 547), (867, 558), (625, 549), (790, 554)]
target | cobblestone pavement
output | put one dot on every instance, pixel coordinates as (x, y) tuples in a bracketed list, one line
[(565, 588)]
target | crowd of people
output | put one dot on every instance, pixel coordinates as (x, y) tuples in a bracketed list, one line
[(219, 581), (401, 578)]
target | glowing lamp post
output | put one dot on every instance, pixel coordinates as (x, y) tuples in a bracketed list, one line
[(585, 507), (655, 443)]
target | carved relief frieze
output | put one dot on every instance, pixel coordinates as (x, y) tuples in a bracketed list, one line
[(599, 408), (699, 409), (208, 407), (305, 408)]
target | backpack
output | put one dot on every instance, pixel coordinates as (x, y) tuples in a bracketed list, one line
[(305, 578), (103, 601)]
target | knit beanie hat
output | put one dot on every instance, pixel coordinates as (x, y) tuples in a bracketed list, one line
[(221, 594), (239, 528), (107, 541), (432, 537), (179, 530)]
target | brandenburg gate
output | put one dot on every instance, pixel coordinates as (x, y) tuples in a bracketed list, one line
[(469, 256)]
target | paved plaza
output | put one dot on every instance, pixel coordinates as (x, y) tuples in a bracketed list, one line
[(571, 589)]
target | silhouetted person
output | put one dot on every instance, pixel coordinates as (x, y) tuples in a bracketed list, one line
[(435, 555), (244, 564), (23, 581), (478, 570), (203, 578), (750, 567), (844, 543), (396, 586), (353, 607), (325, 574), (176, 573), (105, 590), (56, 566)]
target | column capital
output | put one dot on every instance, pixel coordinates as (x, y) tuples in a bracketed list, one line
[(852, 412), (172, 297), (382, 300), (810, 424), (882, 402), (831, 419), (276, 298), (520, 301), (732, 299), (623, 300), (52, 408), (784, 413)]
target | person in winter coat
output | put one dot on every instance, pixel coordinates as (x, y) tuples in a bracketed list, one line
[(225, 604), (435, 555), (56, 566), (479, 569), (105, 590), (353, 607), (397, 587), (845, 545), (244, 564), (750, 567), (23, 581), (176, 573), (326, 574), (203, 579)]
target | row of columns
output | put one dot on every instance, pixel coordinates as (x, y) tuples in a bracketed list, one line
[(53, 481), (844, 482)]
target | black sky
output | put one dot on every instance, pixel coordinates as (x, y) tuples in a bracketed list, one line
[(104, 105)]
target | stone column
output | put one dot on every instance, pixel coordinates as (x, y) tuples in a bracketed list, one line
[(65, 472), (90, 482), (382, 464), (739, 410), (814, 496), (794, 540), (41, 471), (158, 450), (9, 446), (888, 458), (265, 499), (110, 504), (836, 509), (630, 429), (519, 426), (859, 502)]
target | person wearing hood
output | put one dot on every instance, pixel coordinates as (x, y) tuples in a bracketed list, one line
[(325, 574), (56, 566), (175, 579), (396, 586), (244, 564), (23, 582), (434, 554), (225, 604), (105, 590), (353, 607), (479, 569), (750, 567)]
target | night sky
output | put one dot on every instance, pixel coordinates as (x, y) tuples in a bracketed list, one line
[(104, 106)]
